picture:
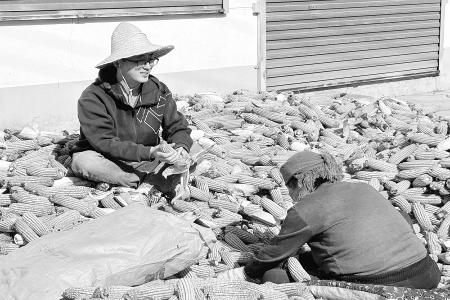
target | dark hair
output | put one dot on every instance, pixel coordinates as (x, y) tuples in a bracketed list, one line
[(108, 74)]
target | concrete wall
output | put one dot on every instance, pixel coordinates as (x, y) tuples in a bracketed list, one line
[(45, 65)]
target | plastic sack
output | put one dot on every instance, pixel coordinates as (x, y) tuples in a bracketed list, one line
[(129, 247)]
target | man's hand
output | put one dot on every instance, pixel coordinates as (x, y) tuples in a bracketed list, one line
[(182, 152), (237, 273), (157, 153)]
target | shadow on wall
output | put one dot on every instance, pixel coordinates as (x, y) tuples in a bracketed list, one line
[(54, 106)]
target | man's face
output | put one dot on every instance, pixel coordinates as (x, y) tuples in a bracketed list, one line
[(296, 191), (137, 69)]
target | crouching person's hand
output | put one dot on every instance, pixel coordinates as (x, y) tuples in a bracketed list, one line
[(158, 153), (236, 273)]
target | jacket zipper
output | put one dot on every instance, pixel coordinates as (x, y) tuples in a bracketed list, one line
[(133, 114)]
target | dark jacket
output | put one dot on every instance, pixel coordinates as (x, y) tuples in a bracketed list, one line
[(351, 229), (118, 131)]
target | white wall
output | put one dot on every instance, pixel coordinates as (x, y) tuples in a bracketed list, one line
[(57, 52)]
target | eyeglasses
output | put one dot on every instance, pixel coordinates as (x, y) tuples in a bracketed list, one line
[(142, 61)]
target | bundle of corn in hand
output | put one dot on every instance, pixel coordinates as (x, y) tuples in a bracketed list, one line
[(236, 189)]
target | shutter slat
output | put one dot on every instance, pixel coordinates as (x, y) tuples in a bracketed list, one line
[(320, 41), (332, 76), (339, 4), (386, 74), (117, 12), (325, 23), (348, 56), (350, 30), (355, 12), (21, 6), (353, 64), (361, 46)]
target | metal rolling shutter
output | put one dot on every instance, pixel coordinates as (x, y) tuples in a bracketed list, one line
[(53, 9), (316, 44)]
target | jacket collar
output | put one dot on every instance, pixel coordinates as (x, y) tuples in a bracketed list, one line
[(149, 94)]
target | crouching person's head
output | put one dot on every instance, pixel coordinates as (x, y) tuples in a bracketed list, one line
[(305, 171)]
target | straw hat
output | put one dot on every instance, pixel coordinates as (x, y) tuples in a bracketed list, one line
[(127, 40)]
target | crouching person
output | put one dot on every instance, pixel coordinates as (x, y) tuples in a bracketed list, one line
[(121, 115), (354, 233)]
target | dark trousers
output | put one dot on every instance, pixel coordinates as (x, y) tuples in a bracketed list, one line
[(95, 167), (424, 274)]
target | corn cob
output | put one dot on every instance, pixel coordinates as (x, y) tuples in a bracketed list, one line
[(391, 186), (418, 164), (414, 191), (427, 139), (231, 292), (222, 204), (296, 270), (152, 290), (275, 117), (74, 293), (109, 202), (17, 171), (199, 194), (225, 213), (27, 198), (440, 173), (204, 271), (412, 173), (5, 199), (228, 259), (255, 212), (78, 192), (24, 145), (422, 216), (7, 247), (244, 235), (21, 180), (440, 154), (433, 244), (24, 230), (184, 206), (5, 238), (423, 127), (366, 175), (235, 242), (214, 254), (443, 230), (260, 183), (72, 203), (308, 112), (273, 208), (38, 210), (53, 173), (401, 155), (64, 221), (445, 163), (401, 203), (185, 289), (110, 292), (7, 225), (422, 180), (35, 224), (217, 186), (225, 221), (56, 164), (401, 187), (425, 155)]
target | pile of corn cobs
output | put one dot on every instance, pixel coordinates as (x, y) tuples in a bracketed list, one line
[(237, 189)]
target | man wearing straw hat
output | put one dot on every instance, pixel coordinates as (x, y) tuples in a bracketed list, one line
[(121, 115), (354, 233)]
